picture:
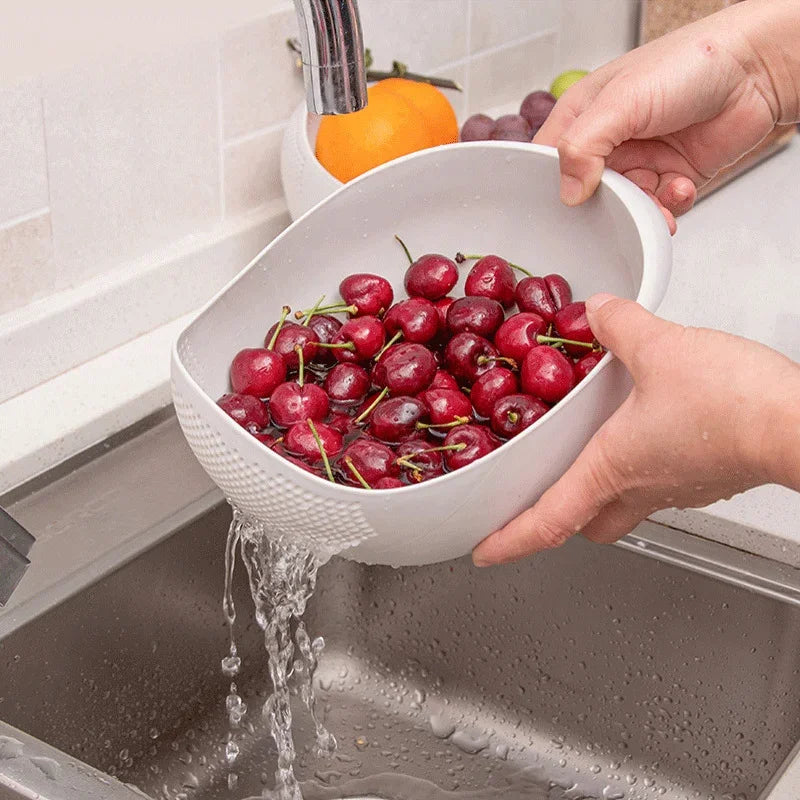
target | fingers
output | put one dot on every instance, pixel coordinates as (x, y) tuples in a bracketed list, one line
[(625, 328), (613, 522), (588, 141), (676, 193), (563, 510), (668, 216)]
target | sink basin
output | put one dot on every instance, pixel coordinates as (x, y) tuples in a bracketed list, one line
[(587, 672)]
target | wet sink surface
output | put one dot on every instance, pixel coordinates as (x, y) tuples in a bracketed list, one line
[(594, 669)]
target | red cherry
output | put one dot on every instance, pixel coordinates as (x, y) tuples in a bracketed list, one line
[(431, 276), (515, 412), (571, 323), (291, 403), (492, 277), (546, 373), (372, 459), (443, 380), (299, 463), (478, 441), (257, 371), (490, 387), (326, 327), (366, 334), (443, 306), (445, 405), (405, 368), (300, 441), (370, 294), (416, 317), (584, 365), (389, 483), (342, 422), (468, 356), (559, 289), (289, 337), (421, 459), (518, 334), (245, 409), (533, 295), (480, 315), (347, 383), (395, 418)]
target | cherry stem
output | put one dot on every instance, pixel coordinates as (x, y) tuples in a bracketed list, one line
[(368, 410), (336, 345), (403, 245), (318, 440), (406, 461), (358, 476), (311, 312), (284, 313), (461, 258), (398, 335), (486, 359), (421, 426), (339, 308), (513, 417), (301, 365), (558, 340)]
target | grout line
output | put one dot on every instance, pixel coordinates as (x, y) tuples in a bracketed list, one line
[(220, 131), (246, 137), (531, 37), (10, 223)]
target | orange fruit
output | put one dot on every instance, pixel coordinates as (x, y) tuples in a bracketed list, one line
[(431, 102), (401, 117), (389, 127)]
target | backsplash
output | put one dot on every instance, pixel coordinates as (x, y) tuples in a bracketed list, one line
[(115, 172)]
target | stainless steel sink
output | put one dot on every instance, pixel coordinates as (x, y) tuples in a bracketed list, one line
[(587, 672)]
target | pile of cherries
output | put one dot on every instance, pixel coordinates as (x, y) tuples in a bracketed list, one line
[(381, 394)]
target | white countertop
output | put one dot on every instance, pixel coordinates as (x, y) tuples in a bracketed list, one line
[(737, 268)]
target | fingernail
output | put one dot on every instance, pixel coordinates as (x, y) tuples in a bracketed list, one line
[(597, 301), (681, 194), (480, 561), (571, 190)]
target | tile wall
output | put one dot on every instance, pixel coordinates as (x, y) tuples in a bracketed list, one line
[(106, 164)]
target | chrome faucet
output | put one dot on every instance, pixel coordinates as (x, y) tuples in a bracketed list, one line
[(15, 544), (333, 55)]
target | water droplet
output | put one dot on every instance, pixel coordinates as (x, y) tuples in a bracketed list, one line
[(231, 751)]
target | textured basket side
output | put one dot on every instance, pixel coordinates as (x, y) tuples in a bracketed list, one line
[(273, 499)]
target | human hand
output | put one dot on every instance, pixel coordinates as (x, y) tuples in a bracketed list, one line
[(710, 415), (671, 114)]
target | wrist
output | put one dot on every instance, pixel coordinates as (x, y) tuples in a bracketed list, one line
[(776, 453), (771, 34)]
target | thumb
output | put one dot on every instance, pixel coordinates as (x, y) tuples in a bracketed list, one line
[(562, 511), (587, 142), (623, 327)]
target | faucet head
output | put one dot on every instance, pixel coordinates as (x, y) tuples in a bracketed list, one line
[(15, 544), (332, 47)]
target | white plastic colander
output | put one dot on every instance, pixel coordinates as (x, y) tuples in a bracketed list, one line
[(484, 197)]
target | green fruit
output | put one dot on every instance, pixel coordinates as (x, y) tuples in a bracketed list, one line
[(565, 80)]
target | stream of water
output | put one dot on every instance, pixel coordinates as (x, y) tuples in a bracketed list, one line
[(282, 575)]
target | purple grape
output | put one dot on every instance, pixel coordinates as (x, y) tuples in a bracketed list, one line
[(477, 128), (536, 107), (512, 128)]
